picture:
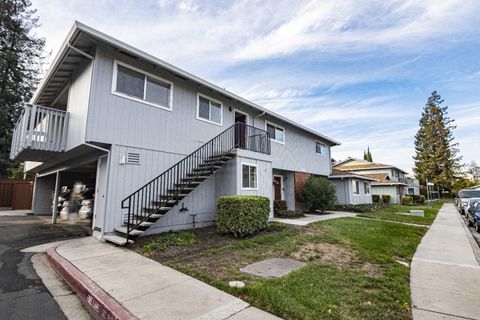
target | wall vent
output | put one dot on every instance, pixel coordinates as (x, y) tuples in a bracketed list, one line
[(133, 158)]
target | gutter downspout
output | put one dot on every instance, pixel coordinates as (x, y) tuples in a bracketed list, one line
[(258, 116)]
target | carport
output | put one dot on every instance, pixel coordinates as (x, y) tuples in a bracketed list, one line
[(84, 174)]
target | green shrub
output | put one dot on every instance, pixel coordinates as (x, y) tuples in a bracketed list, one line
[(407, 200), (279, 205), (386, 198), (375, 198), (165, 240), (420, 199), (317, 194), (242, 216), (360, 208), (289, 214)]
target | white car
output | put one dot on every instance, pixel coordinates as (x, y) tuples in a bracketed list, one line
[(466, 198)]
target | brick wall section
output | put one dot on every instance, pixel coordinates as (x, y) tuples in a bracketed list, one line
[(300, 178)]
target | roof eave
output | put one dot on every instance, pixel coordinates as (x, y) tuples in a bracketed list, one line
[(78, 26)]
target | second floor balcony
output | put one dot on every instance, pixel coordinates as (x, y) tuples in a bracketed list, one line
[(39, 134)]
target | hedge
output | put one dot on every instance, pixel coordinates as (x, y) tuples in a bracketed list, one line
[(420, 199), (407, 200), (242, 216), (317, 193), (386, 198), (289, 214), (279, 205), (375, 198)]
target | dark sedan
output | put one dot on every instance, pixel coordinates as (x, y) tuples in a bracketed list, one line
[(473, 216)]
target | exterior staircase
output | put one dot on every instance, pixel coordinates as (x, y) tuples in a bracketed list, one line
[(152, 201)]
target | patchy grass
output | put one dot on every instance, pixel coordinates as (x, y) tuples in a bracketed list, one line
[(351, 270), (400, 213), (165, 240)]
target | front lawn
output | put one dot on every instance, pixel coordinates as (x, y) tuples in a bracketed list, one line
[(400, 213), (351, 270)]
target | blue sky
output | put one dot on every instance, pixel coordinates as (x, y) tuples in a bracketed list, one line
[(358, 71)]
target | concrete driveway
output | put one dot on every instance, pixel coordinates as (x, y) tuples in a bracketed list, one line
[(22, 294)]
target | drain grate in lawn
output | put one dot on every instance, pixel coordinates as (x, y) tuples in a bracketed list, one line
[(351, 269)]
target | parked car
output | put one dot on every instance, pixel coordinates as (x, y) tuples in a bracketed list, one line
[(462, 200), (473, 215)]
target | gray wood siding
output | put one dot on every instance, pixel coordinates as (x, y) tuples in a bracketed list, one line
[(298, 152), (118, 120), (78, 101), (127, 178)]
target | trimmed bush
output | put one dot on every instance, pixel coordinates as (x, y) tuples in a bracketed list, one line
[(317, 194), (289, 214), (407, 200), (242, 216), (375, 198), (360, 208), (420, 199), (279, 205), (386, 198)]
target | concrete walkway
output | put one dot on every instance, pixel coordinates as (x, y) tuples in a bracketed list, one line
[(148, 289), (445, 274), (311, 218)]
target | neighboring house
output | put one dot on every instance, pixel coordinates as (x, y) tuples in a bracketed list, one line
[(389, 180), (351, 188), (154, 140), (413, 185)]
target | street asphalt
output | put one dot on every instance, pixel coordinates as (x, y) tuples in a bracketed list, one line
[(22, 294)]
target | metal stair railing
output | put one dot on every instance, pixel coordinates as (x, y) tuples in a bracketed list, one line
[(161, 190)]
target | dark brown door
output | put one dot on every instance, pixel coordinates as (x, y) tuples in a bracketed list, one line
[(241, 131), (277, 187)]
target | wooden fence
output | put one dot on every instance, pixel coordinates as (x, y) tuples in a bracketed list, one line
[(16, 194)]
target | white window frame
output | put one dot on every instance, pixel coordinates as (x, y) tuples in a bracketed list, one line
[(324, 144), (367, 184), (210, 111), (241, 112), (116, 63), (355, 183), (277, 126), (241, 175)]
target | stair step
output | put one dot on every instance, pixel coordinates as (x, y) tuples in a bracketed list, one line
[(190, 183), (202, 172), (150, 209), (118, 240), (133, 232), (207, 165), (156, 203), (172, 195), (195, 178), (219, 160), (183, 189), (143, 223)]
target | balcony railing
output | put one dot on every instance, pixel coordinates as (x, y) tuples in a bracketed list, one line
[(39, 129)]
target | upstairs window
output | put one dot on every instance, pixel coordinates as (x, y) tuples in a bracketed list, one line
[(249, 176), (134, 84), (320, 148), (277, 133), (209, 110)]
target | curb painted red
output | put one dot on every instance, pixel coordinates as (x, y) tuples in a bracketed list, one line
[(101, 305)]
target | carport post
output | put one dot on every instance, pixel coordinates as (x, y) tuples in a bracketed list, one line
[(55, 198)]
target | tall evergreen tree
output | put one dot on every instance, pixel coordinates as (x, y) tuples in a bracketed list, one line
[(365, 155), (369, 154), (436, 152), (21, 58)]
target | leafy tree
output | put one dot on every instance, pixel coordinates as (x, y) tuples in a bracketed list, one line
[(318, 194), (436, 152), (21, 58)]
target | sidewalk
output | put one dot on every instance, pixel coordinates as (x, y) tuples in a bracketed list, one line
[(445, 274), (145, 289)]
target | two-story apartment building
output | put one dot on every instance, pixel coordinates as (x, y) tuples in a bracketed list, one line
[(154, 140), (388, 179)]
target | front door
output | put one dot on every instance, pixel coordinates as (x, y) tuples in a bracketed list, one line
[(240, 132), (100, 193), (277, 187)]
